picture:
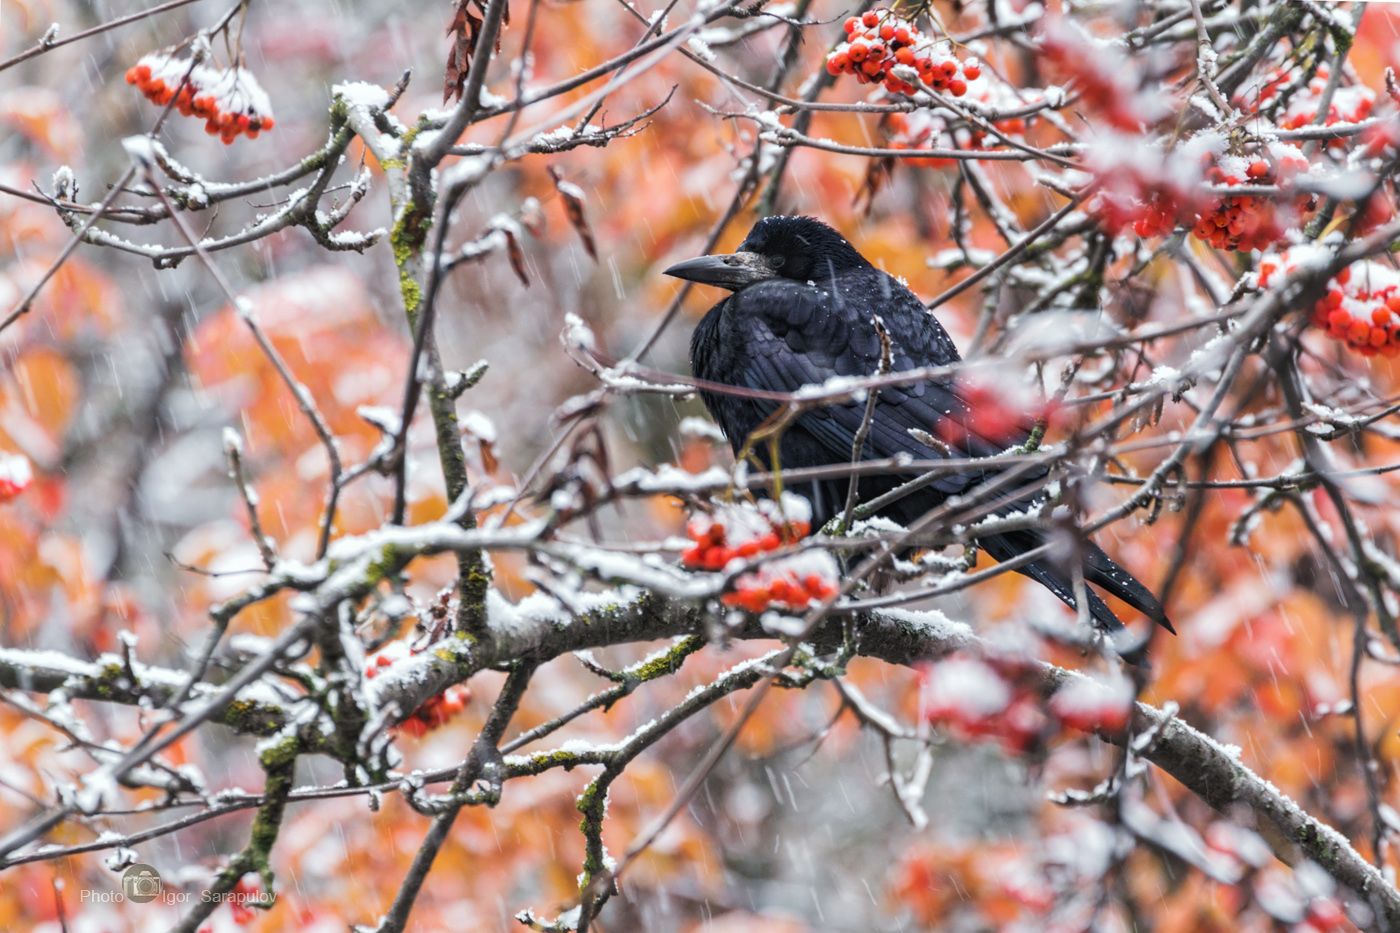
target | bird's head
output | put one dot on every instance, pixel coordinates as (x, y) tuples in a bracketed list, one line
[(799, 248)]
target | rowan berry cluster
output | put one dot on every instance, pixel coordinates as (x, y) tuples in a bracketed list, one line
[(975, 699), (436, 710), (248, 889), (1361, 307), (15, 475), (783, 589), (230, 100), (1099, 74), (1091, 705), (1249, 222), (1349, 104), (713, 548), (878, 41), (736, 532), (1143, 205), (995, 698), (1382, 138), (1150, 191), (1000, 412)]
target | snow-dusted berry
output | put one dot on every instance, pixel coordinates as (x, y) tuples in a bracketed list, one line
[(436, 710), (15, 475), (1248, 222), (1361, 306), (879, 42), (740, 532), (976, 700), (230, 100), (1103, 78), (1094, 705), (1294, 104)]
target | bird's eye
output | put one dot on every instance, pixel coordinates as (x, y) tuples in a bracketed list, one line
[(777, 261)]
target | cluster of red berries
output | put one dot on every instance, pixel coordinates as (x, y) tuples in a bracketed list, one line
[(999, 412), (436, 710), (1361, 307), (787, 590), (15, 475), (1149, 191), (712, 549), (979, 700), (1349, 104), (932, 129), (1324, 915), (247, 890), (739, 532), (878, 41), (230, 101), (1382, 138), (1248, 222), (1091, 705), (996, 699), (1127, 200), (1104, 80)]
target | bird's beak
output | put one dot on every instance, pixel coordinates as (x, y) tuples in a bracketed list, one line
[(731, 270)]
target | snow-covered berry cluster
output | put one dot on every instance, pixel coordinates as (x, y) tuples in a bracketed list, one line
[(1106, 83), (1153, 192), (879, 41), (1148, 190), (15, 475), (779, 587), (996, 411), (935, 129), (1350, 103), (229, 100), (1248, 222), (975, 699), (1092, 705), (716, 544), (436, 710), (1130, 197), (1361, 307), (1381, 138), (995, 698), (1153, 212), (247, 891), (739, 532)]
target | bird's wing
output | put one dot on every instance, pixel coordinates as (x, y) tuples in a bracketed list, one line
[(791, 335)]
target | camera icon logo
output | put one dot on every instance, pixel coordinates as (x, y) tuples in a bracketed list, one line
[(141, 884)]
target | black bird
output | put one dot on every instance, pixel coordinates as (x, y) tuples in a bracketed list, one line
[(802, 311)]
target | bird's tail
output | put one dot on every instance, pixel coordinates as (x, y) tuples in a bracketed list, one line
[(1099, 569), (1102, 570)]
